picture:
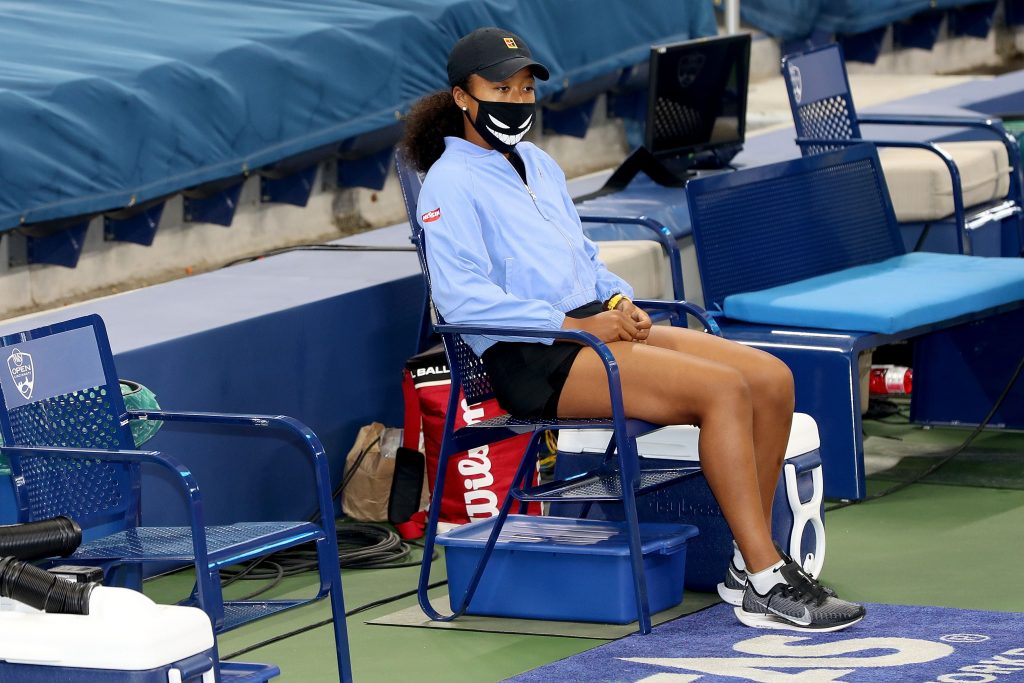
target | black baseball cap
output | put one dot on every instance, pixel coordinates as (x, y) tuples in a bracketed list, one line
[(494, 54)]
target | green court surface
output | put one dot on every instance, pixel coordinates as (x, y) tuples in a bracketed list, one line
[(958, 543)]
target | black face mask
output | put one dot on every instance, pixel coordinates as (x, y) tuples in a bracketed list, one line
[(502, 124)]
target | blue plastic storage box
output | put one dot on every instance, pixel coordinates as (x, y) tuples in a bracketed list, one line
[(566, 569)]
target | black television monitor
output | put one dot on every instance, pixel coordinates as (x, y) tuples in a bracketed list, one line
[(697, 100)]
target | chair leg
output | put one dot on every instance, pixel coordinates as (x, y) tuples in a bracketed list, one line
[(327, 556), (208, 593), (526, 465), (628, 473), (430, 533)]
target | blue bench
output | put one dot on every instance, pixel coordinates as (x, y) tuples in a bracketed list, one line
[(804, 259)]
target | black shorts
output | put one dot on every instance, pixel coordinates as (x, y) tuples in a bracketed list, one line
[(527, 377)]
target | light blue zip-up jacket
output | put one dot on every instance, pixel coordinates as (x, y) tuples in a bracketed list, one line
[(504, 253)]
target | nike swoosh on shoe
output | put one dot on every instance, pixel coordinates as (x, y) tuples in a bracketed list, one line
[(802, 621)]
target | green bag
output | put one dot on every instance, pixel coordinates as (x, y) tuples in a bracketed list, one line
[(138, 397)]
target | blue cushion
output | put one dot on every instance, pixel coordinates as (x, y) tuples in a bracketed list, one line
[(897, 294)]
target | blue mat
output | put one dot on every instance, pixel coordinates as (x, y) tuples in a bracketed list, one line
[(893, 643)]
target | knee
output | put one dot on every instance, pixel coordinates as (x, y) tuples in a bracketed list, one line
[(774, 384), (730, 391)]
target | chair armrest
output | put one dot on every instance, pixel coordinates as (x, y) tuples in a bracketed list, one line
[(312, 442), (184, 475), (986, 124), (680, 309), (990, 125), (665, 237), (928, 120)]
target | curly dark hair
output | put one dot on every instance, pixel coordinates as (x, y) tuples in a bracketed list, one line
[(429, 121)]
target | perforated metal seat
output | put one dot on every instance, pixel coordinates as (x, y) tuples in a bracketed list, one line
[(225, 545), (65, 430)]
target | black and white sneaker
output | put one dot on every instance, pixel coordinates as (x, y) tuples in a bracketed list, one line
[(731, 589), (797, 603)]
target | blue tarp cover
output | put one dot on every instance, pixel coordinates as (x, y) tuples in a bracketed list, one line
[(790, 19), (110, 102)]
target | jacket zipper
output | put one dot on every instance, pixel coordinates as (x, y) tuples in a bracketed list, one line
[(568, 242)]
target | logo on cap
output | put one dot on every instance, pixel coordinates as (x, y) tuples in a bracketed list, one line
[(510, 43)]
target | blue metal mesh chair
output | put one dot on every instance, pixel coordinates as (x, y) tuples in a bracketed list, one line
[(65, 430), (618, 479), (826, 119)]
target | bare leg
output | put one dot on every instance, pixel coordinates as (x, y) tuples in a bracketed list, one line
[(771, 393), (669, 387)]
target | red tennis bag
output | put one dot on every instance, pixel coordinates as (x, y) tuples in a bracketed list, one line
[(477, 480)]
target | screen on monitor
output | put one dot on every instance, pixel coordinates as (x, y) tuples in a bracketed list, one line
[(697, 97)]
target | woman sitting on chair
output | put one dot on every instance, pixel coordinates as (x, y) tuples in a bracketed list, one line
[(505, 247)]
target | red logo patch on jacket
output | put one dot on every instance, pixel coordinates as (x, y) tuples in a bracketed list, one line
[(431, 216)]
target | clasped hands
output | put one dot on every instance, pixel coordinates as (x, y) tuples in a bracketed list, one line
[(626, 322)]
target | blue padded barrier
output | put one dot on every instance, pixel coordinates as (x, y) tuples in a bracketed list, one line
[(110, 103)]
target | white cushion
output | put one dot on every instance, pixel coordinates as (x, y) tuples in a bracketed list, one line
[(641, 263), (919, 182)]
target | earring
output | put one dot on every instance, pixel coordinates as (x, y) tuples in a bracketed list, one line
[(465, 109)]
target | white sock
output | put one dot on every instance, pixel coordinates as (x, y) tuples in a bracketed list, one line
[(764, 580), (737, 558)]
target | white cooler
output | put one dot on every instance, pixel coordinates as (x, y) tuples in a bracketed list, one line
[(797, 514), (125, 638)]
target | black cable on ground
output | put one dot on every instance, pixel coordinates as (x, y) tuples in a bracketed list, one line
[(325, 622), (949, 456)]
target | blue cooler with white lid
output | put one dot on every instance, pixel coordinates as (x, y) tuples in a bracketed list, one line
[(797, 513), (565, 569)]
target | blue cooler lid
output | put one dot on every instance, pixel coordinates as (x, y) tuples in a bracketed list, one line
[(566, 535)]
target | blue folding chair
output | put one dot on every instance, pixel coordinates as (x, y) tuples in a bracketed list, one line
[(65, 430), (825, 119), (619, 478)]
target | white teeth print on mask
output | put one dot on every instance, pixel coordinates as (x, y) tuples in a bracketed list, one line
[(496, 122), (506, 122), (510, 140)]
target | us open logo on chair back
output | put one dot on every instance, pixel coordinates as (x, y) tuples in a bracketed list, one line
[(51, 366), (797, 81), (22, 372)]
